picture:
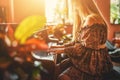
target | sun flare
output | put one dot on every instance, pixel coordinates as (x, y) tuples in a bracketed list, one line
[(49, 8)]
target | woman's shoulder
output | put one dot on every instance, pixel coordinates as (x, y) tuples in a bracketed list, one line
[(93, 19)]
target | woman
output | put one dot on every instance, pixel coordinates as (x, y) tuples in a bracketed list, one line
[(87, 51)]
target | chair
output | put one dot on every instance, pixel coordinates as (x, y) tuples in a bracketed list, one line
[(113, 51)]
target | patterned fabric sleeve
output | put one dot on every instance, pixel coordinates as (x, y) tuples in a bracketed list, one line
[(74, 50), (69, 44)]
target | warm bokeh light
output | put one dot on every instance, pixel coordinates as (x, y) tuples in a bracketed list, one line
[(58, 10), (49, 8)]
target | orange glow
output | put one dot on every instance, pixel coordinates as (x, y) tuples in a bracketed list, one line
[(25, 8)]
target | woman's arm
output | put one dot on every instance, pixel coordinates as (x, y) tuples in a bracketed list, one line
[(57, 46), (56, 50), (63, 46)]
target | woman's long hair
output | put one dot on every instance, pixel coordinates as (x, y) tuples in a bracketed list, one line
[(81, 9)]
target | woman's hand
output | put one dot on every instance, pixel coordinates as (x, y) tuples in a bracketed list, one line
[(56, 50), (58, 46)]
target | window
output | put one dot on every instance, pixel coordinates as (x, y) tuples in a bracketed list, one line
[(57, 11), (49, 9), (115, 11)]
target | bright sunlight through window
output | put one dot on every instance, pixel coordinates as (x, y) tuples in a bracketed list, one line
[(50, 7), (58, 11)]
